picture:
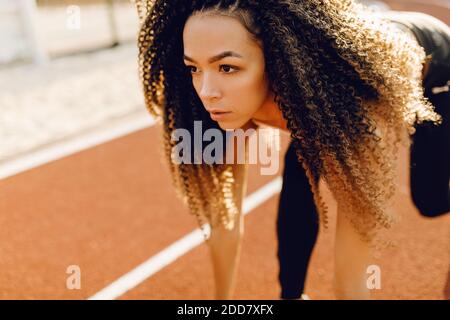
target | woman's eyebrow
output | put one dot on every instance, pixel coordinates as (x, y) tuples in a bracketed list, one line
[(218, 57)]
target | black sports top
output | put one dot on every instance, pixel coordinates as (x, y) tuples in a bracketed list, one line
[(433, 35)]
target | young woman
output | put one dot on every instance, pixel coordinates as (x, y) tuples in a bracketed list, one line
[(344, 86)]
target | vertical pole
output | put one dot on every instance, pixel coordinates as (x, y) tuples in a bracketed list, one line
[(112, 22), (28, 14)]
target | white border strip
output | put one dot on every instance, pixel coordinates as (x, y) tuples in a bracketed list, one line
[(82, 142), (178, 249)]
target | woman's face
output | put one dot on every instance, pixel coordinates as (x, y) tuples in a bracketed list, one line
[(227, 68)]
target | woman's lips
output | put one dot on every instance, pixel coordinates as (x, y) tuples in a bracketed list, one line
[(219, 115)]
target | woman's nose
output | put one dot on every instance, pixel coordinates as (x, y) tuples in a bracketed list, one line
[(209, 90)]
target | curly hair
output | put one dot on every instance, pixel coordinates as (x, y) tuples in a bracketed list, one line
[(347, 83)]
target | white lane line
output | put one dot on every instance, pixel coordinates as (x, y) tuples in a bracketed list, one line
[(178, 249), (73, 145)]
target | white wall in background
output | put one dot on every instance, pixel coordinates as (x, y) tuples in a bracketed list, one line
[(19, 34)]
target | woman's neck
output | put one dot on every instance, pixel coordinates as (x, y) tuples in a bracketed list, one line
[(270, 114)]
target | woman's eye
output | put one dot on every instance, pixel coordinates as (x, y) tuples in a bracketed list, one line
[(190, 69), (227, 68)]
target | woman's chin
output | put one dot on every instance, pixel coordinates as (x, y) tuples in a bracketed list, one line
[(227, 125), (234, 125)]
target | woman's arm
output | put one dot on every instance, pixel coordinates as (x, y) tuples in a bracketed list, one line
[(225, 245), (352, 257)]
